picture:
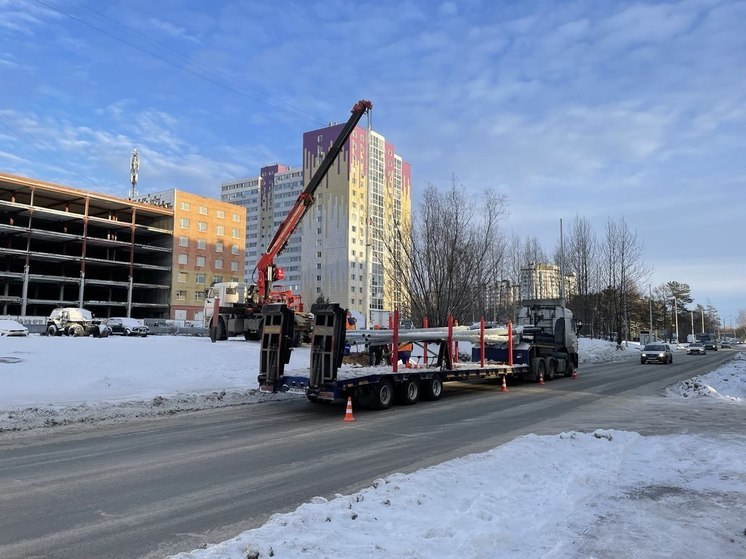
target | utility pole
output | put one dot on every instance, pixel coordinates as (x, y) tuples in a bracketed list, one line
[(676, 318)]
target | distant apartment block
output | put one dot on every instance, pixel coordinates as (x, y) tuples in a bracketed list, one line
[(267, 200), (543, 281), (209, 245)]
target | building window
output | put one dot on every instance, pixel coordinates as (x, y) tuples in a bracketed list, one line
[(201, 244), (318, 254), (186, 206), (183, 259), (200, 262), (219, 264), (318, 278), (218, 279), (318, 266), (202, 210), (221, 214), (234, 266), (202, 226), (184, 223), (199, 295), (236, 218), (236, 233), (200, 278), (218, 246), (234, 249), (182, 277), (181, 295), (220, 230), (183, 241)]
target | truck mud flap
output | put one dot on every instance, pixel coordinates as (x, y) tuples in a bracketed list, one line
[(327, 343), (278, 330)]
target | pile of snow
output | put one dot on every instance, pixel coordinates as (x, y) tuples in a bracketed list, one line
[(727, 383), (593, 350), (573, 495)]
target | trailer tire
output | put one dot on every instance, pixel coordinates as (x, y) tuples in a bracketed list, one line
[(382, 395), (432, 388), (409, 392), (541, 369)]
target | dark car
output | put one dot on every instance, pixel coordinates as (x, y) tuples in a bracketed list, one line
[(127, 326), (656, 353), (696, 349)]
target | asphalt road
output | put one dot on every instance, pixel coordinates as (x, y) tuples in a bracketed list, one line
[(155, 488)]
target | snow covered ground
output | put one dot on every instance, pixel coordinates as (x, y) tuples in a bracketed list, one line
[(594, 495)]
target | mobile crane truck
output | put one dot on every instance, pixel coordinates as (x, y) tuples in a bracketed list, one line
[(240, 307)]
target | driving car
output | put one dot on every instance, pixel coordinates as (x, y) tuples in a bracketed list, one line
[(725, 344), (696, 349), (127, 326), (658, 353), (12, 328)]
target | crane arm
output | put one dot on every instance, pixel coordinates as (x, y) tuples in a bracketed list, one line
[(265, 266)]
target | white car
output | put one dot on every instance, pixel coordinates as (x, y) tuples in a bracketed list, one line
[(12, 328)]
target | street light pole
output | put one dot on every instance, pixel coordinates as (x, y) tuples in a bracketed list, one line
[(676, 318), (694, 339), (650, 292)]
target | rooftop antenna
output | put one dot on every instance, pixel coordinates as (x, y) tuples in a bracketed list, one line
[(134, 169)]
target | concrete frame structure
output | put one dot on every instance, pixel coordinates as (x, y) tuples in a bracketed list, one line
[(61, 246)]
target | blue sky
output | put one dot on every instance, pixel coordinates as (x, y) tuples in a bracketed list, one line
[(598, 109)]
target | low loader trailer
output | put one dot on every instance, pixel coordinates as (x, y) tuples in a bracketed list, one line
[(528, 351)]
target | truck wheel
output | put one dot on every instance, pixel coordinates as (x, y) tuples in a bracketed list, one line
[(432, 388), (409, 392), (551, 369), (51, 330), (75, 330), (222, 334), (383, 395), (127, 332), (540, 368), (569, 368)]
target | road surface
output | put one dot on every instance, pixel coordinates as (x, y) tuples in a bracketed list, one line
[(154, 488)]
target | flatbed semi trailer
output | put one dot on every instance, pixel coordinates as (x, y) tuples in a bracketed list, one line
[(544, 344)]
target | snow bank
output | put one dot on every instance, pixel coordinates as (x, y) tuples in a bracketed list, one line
[(726, 383)]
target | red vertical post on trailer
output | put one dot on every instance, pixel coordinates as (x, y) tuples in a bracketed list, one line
[(424, 346), (395, 351), (510, 344), (450, 336), (481, 340)]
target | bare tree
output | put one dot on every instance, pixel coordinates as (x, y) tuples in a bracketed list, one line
[(454, 250), (581, 260)]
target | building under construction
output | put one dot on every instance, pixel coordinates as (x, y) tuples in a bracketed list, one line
[(61, 246)]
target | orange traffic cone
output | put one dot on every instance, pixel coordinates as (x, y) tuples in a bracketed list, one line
[(541, 377), (504, 387), (574, 374), (348, 413)]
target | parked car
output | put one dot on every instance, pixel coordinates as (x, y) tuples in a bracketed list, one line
[(696, 349), (127, 326), (656, 353), (73, 321), (12, 328)]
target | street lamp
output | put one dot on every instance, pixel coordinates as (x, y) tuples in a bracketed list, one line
[(676, 318)]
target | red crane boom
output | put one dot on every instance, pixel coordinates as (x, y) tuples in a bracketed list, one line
[(267, 271)]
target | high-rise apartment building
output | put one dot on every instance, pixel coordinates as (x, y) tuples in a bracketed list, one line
[(347, 238), (209, 242)]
